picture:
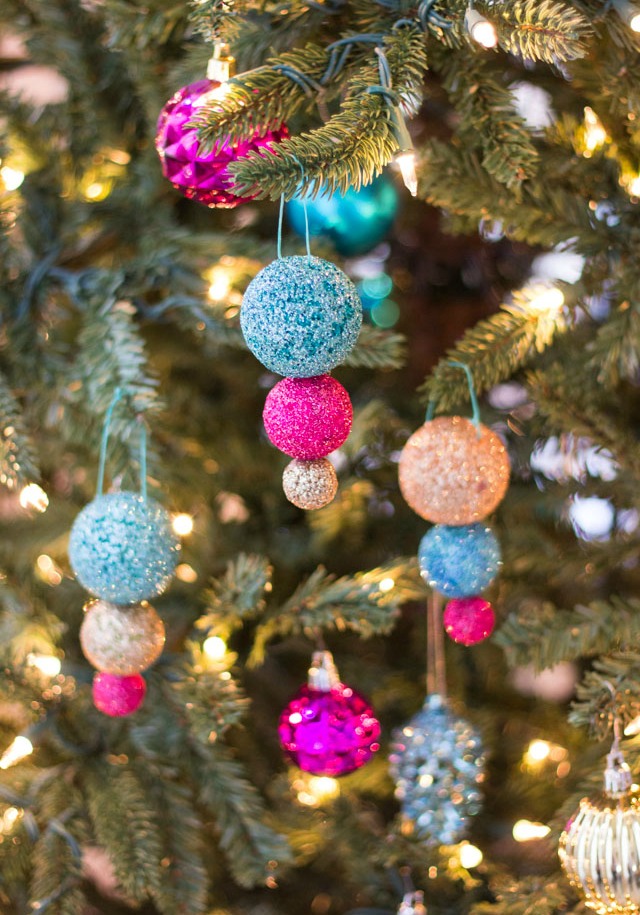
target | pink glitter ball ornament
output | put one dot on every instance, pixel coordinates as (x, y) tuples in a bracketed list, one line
[(469, 620), (118, 696), (328, 728), (308, 418), (202, 176)]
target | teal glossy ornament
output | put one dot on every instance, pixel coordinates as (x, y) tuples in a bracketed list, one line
[(354, 222)]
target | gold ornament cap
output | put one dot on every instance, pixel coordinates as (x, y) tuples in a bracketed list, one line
[(221, 66), (323, 673)]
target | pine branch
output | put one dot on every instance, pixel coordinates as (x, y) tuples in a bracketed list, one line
[(210, 698), (545, 30), (378, 349), (530, 894), (595, 705), (615, 352), (237, 595), (18, 459)]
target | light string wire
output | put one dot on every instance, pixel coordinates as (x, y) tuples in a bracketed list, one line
[(118, 395)]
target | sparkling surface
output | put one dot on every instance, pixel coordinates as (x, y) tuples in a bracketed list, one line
[(450, 475), (599, 852), (437, 764), (310, 484), (355, 221), (301, 316), (308, 418), (118, 696), (459, 561), (329, 733), (121, 640), (122, 548), (201, 176), (468, 620)]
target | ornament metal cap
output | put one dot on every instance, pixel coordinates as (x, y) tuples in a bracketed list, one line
[(617, 774), (323, 673), (221, 66), (412, 904)]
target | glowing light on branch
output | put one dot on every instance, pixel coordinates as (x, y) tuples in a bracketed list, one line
[(18, 750), (215, 648), (470, 855), (34, 497), (526, 831), (12, 178), (182, 524), (480, 29), (48, 665)]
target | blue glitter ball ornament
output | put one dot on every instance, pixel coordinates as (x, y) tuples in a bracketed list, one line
[(123, 548), (355, 222), (301, 316), (437, 764), (459, 561)]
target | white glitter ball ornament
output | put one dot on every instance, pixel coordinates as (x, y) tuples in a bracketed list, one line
[(452, 472), (121, 640), (310, 484), (437, 764), (600, 847), (123, 548)]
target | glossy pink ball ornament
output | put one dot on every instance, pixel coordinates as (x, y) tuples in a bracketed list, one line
[(328, 728), (308, 418), (118, 696), (202, 176), (469, 620)]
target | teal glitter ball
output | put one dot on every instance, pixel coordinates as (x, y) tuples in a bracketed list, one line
[(123, 548), (301, 316), (459, 561)]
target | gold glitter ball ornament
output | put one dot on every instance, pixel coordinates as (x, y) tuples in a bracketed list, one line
[(121, 640), (600, 846), (310, 484), (452, 472)]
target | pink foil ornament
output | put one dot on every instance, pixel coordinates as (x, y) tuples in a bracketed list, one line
[(202, 176), (330, 730), (118, 696), (308, 418), (469, 620)]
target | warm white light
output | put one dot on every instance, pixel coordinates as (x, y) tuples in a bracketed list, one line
[(538, 750), (387, 584), (186, 573), (318, 789), (8, 819), (594, 134), (94, 191), (547, 300), (220, 284), (12, 178), (48, 665), (470, 856), (483, 32), (634, 187), (634, 23), (19, 749), (406, 162), (632, 728), (525, 831), (182, 524), (34, 496), (215, 648)]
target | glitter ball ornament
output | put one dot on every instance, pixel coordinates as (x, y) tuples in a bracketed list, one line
[(437, 763), (600, 846), (468, 620), (121, 640), (310, 484), (123, 548), (459, 561), (301, 316), (328, 728), (118, 696), (202, 176), (308, 418), (452, 473)]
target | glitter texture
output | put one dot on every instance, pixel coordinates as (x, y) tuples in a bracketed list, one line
[(468, 620), (202, 176), (308, 418), (451, 475), (301, 316), (329, 733), (118, 696), (310, 484), (459, 561), (121, 640), (437, 764), (122, 548)]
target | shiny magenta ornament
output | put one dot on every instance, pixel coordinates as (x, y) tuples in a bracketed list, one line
[(203, 176), (308, 418), (118, 696), (469, 620), (328, 728)]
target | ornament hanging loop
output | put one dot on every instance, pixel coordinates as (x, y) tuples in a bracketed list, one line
[(617, 774), (118, 395), (306, 218), (475, 418)]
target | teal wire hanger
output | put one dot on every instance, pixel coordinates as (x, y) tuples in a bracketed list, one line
[(475, 418), (118, 394)]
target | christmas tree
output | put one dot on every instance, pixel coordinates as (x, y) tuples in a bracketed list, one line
[(511, 274)]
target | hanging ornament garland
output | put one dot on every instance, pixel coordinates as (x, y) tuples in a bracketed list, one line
[(123, 550), (600, 846), (301, 317), (199, 175), (328, 728), (455, 471), (436, 759)]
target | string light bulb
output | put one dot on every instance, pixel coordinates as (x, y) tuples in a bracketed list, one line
[(405, 158), (470, 855), (526, 831), (12, 178), (34, 497), (480, 29), (47, 664), (16, 751), (182, 524), (215, 648), (629, 13), (594, 133)]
